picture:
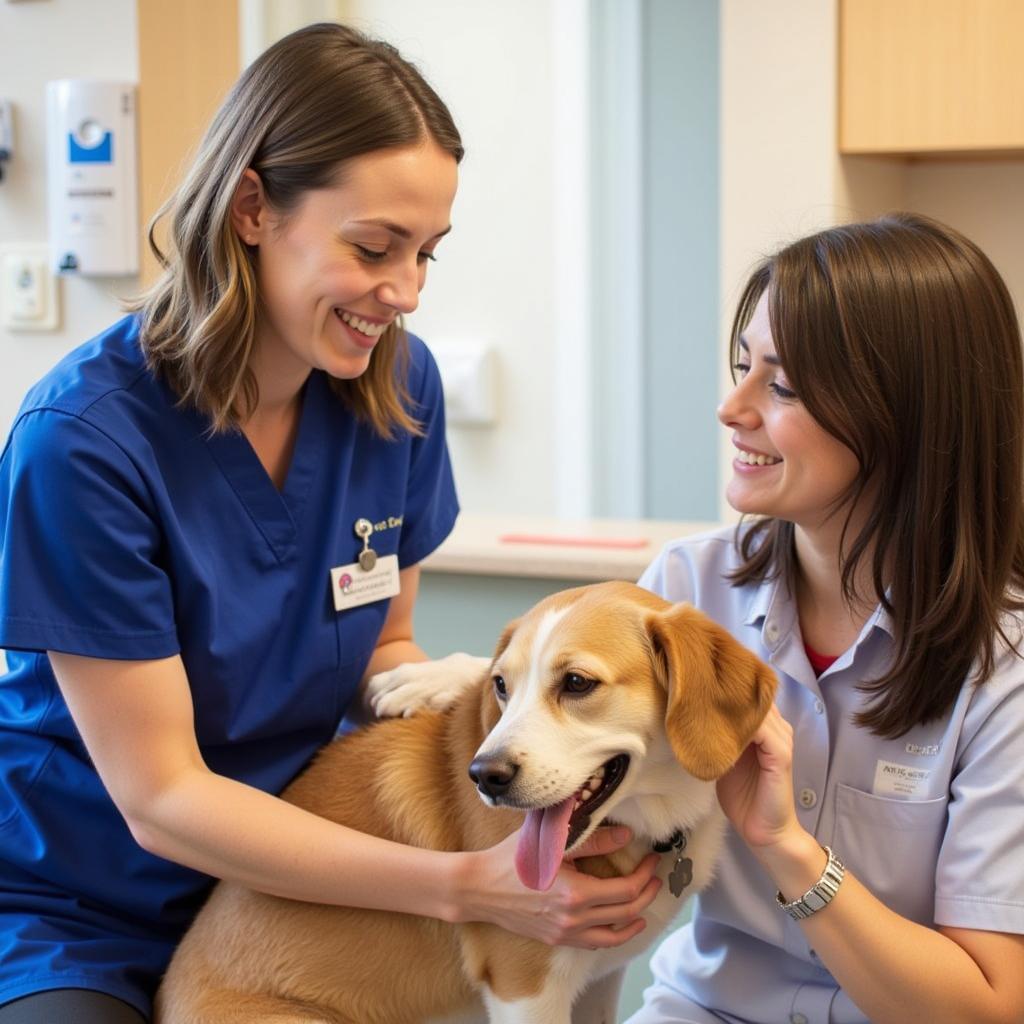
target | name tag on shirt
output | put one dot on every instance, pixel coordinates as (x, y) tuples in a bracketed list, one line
[(352, 586), (892, 779)]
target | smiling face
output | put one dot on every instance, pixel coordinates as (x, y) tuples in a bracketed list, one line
[(337, 270), (786, 465)]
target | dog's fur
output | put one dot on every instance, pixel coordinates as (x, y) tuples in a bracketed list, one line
[(674, 692)]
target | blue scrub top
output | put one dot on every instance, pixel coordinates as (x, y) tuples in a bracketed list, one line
[(128, 532)]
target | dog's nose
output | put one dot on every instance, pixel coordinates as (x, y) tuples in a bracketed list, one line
[(493, 775)]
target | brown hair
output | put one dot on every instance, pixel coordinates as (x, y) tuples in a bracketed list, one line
[(316, 98), (901, 340)]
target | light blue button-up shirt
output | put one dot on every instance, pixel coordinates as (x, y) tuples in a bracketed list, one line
[(931, 822)]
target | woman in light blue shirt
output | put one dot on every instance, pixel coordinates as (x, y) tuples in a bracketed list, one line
[(874, 869)]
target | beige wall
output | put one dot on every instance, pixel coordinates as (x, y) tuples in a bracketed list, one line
[(782, 177), (985, 200)]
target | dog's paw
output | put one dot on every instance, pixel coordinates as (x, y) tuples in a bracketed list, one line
[(434, 685)]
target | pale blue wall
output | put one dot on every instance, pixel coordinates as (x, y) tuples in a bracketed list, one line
[(656, 306), (681, 286)]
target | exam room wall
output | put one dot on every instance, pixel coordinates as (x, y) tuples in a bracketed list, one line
[(782, 176), (499, 280), (495, 282), (40, 41), (512, 274)]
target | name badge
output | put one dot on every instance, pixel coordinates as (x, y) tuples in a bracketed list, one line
[(892, 779), (352, 586)]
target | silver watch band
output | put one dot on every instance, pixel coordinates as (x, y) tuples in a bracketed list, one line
[(820, 894)]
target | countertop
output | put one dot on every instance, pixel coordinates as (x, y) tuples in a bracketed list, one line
[(547, 548)]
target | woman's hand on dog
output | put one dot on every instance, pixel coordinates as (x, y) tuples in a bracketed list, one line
[(578, 909), (757, 797), (757, 792)]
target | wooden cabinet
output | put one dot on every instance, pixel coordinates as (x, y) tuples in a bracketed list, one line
[(188, 60), (931, 77)]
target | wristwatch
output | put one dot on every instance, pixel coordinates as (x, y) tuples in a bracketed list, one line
[(820, 894)]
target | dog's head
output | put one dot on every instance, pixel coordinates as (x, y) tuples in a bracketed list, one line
[(607, 694)]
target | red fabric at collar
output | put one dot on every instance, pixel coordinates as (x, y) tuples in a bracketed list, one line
[(819, 662)]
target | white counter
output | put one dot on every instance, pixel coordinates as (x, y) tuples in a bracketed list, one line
[(544, 548)]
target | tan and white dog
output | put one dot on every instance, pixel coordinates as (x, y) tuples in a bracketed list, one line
[(602, 703)]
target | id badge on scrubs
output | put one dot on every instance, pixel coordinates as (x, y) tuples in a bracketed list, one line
[(353, 585)]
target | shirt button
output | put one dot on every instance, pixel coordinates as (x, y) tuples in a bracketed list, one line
[(771, 631), (797, 1018), (819, 707), (808, 798)]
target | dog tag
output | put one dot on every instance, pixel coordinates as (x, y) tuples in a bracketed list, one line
[(681, 875)]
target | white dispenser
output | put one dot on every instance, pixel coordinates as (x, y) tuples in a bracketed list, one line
[(92, 178)]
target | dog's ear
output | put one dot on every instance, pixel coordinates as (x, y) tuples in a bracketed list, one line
[(718, 692)]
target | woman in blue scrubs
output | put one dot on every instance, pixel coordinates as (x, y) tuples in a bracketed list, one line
[(211, 518)]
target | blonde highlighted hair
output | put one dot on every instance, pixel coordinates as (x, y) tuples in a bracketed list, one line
[(313, 100)]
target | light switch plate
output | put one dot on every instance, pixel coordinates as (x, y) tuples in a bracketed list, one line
[(469, 377), (29, 292)]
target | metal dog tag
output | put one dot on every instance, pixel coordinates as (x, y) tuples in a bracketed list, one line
[(681, 875)]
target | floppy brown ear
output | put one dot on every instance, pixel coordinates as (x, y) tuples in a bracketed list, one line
[(718, 692)]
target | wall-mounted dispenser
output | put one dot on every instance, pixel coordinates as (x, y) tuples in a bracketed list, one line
[(6, 134), (92, 177)]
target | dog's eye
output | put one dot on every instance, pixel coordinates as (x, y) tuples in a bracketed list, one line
[(576, 684), (499, 686)]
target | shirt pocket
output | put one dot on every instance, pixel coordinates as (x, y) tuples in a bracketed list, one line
[(892, 846)]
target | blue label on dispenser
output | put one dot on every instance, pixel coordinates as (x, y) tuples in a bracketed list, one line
[(101, 153)]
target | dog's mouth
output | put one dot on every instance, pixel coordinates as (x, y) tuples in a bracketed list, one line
[(549, 831), (595, 791)]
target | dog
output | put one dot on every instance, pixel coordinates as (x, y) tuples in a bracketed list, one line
[(602, 704)]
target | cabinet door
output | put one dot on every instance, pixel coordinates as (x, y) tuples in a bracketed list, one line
[(931, 76), (188, 60)]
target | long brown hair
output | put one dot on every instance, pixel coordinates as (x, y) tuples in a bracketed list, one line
[(316, 98), (900, 338)]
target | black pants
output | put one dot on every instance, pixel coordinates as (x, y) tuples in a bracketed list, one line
[(69, 1006)]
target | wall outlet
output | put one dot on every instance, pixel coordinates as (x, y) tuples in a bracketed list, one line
[(29, 293)]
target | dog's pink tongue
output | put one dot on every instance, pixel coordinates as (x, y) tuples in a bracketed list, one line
[(542, 844)]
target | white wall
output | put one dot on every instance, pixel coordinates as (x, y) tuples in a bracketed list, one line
[(501, 279), (499, 276), (39, 41)]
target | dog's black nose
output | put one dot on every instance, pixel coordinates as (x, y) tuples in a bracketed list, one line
[(493, 775)]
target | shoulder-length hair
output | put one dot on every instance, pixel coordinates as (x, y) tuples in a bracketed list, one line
[(901, 340), (313, 100)]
